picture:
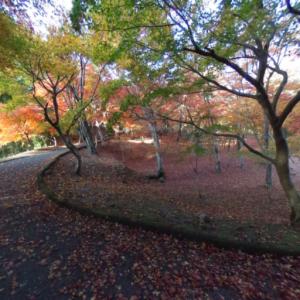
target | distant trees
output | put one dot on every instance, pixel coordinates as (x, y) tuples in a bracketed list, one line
[(140, 103), (22, 123)]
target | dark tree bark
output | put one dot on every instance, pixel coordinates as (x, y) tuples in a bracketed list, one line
[(74, 151), (239, 148), (283, 171)]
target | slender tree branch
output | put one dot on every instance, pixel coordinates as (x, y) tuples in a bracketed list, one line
[(281, 86), (228, 135), (78, 115), (219, 85)]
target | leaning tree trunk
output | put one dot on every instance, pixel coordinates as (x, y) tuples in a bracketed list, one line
[(87, 136), (100, 134), (283, 171), (74, 151)]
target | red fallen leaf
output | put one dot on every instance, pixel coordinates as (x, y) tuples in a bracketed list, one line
[(110, 263)]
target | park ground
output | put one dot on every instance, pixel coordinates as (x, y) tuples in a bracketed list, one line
[(50, 252), (122, 168)]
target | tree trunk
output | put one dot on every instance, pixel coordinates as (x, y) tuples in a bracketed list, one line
[(55, 141), (87, 136), (75, 152), (27, 137), (152, 126), (217, 156), (179, 134), (283, 171), (100, 134), (166, 126), (159, 162), (215, 146), (79, 137), (241, 157), (268, 177), (228, 144)]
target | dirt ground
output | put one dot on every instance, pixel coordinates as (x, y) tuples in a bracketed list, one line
[(121, 168)]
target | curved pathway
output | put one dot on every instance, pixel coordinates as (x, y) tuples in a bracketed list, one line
[(47, 252)]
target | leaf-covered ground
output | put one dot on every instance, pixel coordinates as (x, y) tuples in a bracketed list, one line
[(121, 168), (47, 252)]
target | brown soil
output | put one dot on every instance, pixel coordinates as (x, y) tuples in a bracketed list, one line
[(118, 176)]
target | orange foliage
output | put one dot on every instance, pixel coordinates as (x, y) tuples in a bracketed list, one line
[(21, 123)]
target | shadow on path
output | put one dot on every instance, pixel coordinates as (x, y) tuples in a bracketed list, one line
[(47, 252)]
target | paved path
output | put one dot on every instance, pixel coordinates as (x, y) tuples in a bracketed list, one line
[(14, 173), (47, 252)]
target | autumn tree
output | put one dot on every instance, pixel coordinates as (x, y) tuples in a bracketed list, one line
[(52, 70), (209, 40), (22, 123), (81, 89), (141, 107)]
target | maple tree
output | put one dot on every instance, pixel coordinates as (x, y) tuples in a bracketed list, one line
[(51, 74), (188, 33), (22, 123), (142, 97)]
